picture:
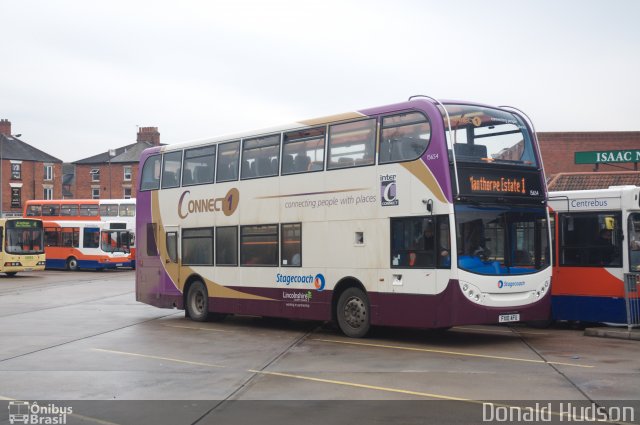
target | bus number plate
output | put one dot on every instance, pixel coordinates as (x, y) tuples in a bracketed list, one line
[(505, 318)]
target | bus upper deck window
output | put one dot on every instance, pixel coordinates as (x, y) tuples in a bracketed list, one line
[(151, 173), (404, 137)]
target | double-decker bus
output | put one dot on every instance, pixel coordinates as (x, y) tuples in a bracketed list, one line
[(119, 214), (421, 214), (74, 245), (21, 245), (597, 235)]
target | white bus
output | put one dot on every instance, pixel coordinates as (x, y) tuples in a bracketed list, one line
[(420, 214), (597, 241)]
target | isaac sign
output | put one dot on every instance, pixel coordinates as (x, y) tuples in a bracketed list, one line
[(603, 157)]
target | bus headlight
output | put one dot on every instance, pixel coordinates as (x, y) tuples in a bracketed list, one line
[(42, 263), (544, 288), (471, 292), (12, 264)]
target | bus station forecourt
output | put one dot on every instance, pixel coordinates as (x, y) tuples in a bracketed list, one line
[(396, 238), (84, 342)]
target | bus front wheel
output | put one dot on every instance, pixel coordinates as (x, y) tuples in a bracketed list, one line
[(11, 274), (198, 302), (72, 263), (353, 313)]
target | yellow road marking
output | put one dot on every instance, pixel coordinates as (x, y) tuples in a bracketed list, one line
[(349, 384), (196, 328), (369, 387), (452, 353), (147, 356)]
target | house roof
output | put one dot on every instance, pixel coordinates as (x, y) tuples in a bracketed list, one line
[(132, 154), (593, 180), (14, 148), (103, 158), (125, 154)]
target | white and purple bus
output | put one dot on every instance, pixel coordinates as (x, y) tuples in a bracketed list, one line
[(420, 214)]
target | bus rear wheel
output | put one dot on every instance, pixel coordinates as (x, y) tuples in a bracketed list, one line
[(72, 263), (197, 304), (353, 313)]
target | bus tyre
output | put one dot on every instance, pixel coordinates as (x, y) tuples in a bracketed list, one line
[(11, 274), (72, 263), (353, 313), (198, 302)]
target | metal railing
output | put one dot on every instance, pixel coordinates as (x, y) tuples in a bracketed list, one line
[(632, 298)]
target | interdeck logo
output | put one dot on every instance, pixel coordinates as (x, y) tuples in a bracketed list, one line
[(227, 204)]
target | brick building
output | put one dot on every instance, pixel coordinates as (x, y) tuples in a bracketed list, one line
[(113, 174), (26, 173), (558, 154)]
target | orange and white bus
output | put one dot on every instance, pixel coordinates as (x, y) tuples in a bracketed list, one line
[(75, 245), (120, 214), (21, 245), (63, 209)]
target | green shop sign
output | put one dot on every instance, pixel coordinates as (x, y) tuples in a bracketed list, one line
[(602, 157)]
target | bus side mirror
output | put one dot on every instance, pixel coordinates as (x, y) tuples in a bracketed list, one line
[(428, 204)]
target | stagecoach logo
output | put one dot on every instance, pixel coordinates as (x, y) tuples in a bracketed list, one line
[(227, 204), (317, 280), (506, 284), (388, 190)]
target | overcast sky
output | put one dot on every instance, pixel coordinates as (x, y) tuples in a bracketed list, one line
[(78, 77)]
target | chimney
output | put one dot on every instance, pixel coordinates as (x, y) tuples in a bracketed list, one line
[(149, 135), (5, 127)]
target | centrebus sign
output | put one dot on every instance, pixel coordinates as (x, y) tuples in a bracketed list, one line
[(603, 157)]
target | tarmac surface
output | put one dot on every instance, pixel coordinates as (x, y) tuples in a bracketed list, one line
[(80, 339)]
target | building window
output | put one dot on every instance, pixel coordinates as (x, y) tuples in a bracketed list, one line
[(127, 173), (95, 174), (127, 193), (16, 196), (47, 193), (48, 173), (95, 193), (16, 170)]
